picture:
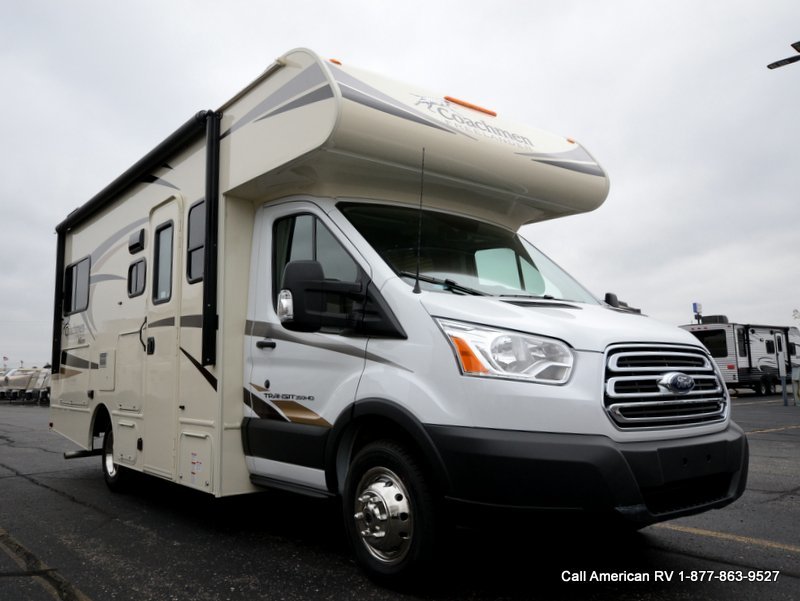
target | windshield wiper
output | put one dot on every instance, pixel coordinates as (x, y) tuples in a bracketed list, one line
[(536, 296), (447, 283)]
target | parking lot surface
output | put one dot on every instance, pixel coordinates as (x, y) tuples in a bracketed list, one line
[(64, 535)]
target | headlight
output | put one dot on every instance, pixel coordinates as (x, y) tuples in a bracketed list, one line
[(492, 353)]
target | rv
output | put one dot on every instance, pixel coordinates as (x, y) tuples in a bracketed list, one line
[(320, 287), (25, 384), (748, 355)]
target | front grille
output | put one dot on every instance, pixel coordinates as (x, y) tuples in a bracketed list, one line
[(637, 397)]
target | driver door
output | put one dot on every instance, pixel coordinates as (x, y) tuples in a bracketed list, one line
[(298, 382)]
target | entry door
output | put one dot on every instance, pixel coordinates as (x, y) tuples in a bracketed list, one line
[(780, 353), (298, 382), (161, 338)]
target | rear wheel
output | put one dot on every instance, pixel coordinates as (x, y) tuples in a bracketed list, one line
[(116, 476), (389, 512)]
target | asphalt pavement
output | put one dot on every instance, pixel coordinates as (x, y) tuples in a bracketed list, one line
[(64, 535)]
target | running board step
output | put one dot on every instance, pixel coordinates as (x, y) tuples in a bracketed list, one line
[(82, 454)]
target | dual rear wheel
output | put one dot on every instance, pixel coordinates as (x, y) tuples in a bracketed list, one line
[(116, 477)]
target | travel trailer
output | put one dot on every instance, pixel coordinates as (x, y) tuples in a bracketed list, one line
[(749, 356), (25, 384), (321, 287)]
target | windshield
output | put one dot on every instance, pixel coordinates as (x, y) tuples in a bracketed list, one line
[(461, 255)]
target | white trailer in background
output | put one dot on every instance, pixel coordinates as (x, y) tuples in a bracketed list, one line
[(749, 355), (25, 384), (279, 295)]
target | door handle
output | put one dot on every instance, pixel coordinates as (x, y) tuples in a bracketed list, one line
[(266, 344), (144, 348)]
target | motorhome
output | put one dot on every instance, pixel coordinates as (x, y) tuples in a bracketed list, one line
[(321, 287), (749, 355)]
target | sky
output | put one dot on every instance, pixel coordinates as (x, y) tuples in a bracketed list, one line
[(673, 98)]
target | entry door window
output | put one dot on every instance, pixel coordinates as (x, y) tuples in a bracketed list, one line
[(136, 278), (162, 284)]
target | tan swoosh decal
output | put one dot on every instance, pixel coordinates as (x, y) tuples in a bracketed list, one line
[(299, 414)]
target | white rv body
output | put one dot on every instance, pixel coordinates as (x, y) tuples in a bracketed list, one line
[(750, 355), (268, 299)]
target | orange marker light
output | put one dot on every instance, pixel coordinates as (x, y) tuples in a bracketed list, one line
[(469, 362), (335, 61), (469, 105)]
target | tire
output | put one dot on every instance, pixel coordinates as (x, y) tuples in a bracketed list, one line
[(117, 477), (389, 513)]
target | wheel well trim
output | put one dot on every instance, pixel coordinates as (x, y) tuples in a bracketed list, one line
[(95, 423), (342, 439)]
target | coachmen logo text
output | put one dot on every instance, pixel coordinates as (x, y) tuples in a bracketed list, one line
[(443, 109)]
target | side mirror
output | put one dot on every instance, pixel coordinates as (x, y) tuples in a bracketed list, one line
[(611, 299), (297, 305), (308, 302)]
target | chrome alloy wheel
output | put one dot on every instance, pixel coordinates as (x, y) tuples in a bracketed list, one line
[(108, 459), (116, 476), (383, 515)]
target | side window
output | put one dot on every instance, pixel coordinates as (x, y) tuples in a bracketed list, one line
[(196, 239), (76, 287), (162, 271), (770, 347), (304, 237), (336, 263), (136, 278), (714, 341)]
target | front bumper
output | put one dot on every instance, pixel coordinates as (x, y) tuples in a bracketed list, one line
[(643, 482)]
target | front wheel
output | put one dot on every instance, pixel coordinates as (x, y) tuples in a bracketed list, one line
[(116, 476), (389, 512)]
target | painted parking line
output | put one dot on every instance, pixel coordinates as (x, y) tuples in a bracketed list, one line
[(768, 430), (747, 540), (49, 579), (742, 404)]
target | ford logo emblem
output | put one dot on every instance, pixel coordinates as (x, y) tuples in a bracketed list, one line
[(677, 383)]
